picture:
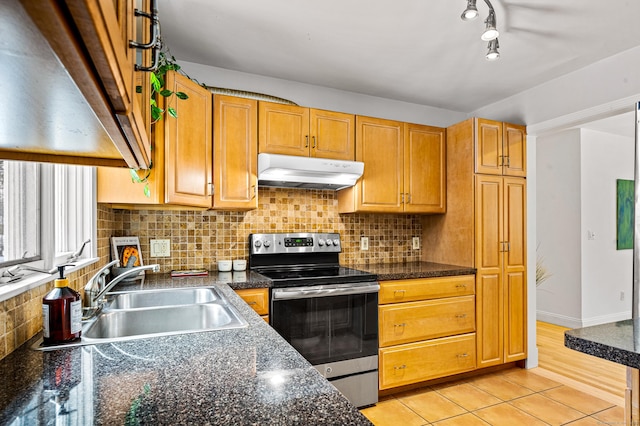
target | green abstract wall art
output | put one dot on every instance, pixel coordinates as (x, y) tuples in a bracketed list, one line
[(625, 201)]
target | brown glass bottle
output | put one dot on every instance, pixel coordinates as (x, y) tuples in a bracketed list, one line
[(61, 313)]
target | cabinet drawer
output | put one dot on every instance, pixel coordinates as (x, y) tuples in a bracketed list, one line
[(257, 298), (417, 362), (425, 288), (413, 321)]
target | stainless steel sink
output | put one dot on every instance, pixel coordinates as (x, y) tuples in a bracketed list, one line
[(157, 298), (152, 313), (141, 323)]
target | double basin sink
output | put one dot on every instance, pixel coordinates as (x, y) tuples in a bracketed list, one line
[(148, 313)]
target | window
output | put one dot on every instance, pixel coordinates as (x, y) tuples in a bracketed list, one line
[(47, 212)]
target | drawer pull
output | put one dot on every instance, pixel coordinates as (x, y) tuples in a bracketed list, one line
[(253, 302), (461, 315), (399, 367), (399, 293), (400, 325), (461, 286), (464, 355)]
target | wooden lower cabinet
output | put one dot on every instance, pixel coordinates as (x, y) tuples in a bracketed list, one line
[(257, 299), (416, 362), (426, 329)]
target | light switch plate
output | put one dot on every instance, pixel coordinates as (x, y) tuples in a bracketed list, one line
[(415, 243), (364, 243), (160, 248)]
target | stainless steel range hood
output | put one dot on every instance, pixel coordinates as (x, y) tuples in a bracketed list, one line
[(289, 171)]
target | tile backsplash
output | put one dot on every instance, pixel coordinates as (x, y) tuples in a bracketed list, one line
[(200, 238)]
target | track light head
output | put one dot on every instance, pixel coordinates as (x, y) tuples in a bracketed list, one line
[(471, 12), (493, 53), (490, 32)]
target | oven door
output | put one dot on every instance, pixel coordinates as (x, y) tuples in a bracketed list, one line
[(328, 323)]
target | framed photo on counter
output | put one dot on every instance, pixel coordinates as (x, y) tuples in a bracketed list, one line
[(127, 251)]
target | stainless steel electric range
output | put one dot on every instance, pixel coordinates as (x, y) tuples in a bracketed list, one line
[(328, 312)]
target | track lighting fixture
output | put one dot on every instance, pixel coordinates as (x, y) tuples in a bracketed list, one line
[(490, 33), (493, 53), (471, 12)]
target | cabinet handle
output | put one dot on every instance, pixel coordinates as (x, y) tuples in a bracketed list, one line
[(464, 355), (402, 198), (252, 303), (408, 198), (306, 141), (313, 141), (461, 286), (400, 325), (399, 367), (399, 291), (211, 189), (153, 44), (461, 316), (255, 191), (508, 246), (508, 160)]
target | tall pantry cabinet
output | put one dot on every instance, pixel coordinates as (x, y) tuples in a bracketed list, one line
[(485, 227)]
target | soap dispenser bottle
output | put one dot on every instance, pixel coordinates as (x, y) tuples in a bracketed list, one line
[(61, 312)]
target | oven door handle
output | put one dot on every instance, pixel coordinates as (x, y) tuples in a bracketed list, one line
[(287, 294)]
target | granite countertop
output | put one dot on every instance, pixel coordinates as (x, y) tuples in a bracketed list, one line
[(411, 270), (245, 376), (617, 341)]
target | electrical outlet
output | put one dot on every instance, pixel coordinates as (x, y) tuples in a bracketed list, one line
[(160, 248), (622, 296), (415, 242), (364, 243)]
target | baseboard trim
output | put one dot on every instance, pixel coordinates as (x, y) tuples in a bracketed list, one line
[(571, 322)]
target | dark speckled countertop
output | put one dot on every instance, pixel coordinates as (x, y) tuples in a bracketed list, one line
[(617, 341), (246, 376), (410, 270)]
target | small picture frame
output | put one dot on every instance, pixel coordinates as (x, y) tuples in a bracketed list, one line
[(127, 251)]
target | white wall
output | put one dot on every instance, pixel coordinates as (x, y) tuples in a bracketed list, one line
[(322, 97), (606, 271), (576, 194), (559, 299)]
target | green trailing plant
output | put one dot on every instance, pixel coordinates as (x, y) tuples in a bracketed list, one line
[(166, 62)]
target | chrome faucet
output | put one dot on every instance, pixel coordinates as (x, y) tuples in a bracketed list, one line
[(96, 288)]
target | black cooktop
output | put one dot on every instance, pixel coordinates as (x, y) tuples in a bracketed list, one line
[(314, 275)]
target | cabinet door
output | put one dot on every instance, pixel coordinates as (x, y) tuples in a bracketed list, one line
[(515, 282), (379, 144), (235, 125), (283, 129), (489, 265), (188, 143), (515, 150), (256, 298), (332, 135), (424, 169), (106, 28), (489, 156)]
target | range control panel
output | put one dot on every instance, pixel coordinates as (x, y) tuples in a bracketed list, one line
[(303, 242)]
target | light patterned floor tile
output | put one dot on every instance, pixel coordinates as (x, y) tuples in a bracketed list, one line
[(500, 387), (392, 412), (431, 405), (574, 398), (469, 397), (463, 420), (507, 415), (611, 416), (547, 409), (530, 380), (589, 421)]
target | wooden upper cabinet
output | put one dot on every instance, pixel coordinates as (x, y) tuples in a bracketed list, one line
[(379, 144), (424, 169), (404, 168), (235, 124), (500, 148), (106, 28), (294, 130), (188, 142), (515, 150), (332, 135)]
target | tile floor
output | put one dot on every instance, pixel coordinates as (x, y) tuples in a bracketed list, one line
[(510, 397)]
